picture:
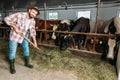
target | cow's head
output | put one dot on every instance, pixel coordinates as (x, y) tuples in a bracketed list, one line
[(66, 41), (62, 39)]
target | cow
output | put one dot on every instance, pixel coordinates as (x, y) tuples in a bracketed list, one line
[(40, 24), (4, 29), (3, 24), (54, 29), (99, 41), (81, 25), (66, 40), (118, 63), (111, 28), (60, 38), (45, 25), (113, 53)]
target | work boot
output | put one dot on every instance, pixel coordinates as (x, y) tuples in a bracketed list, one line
[(12, 67), (27, 64)]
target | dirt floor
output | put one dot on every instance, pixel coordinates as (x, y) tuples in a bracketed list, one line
[(24, 73)]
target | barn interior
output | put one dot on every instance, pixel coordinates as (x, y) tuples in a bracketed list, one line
[(55, 64)]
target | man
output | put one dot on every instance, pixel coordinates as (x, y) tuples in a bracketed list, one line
[(21, 23)]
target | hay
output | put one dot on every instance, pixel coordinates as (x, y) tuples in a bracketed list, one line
[(85, 68), (4, 46)]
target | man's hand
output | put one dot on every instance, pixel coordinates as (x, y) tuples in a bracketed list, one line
[(35, 44), (17, 30)]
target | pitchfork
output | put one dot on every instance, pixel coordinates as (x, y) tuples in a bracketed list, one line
[(31, 43)]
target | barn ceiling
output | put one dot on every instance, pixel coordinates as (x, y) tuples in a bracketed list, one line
[(8, 4)]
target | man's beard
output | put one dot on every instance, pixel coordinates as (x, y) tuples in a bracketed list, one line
[(31, 16)]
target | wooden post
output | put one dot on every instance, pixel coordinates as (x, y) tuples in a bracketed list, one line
[(45, 15), (45, 22), (97, 12), (96, 23)]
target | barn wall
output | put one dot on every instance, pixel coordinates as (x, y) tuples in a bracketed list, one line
[(107, 13), (104, 13), (68, 14), (62, 14)]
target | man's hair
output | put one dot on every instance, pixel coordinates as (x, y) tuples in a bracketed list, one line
[(35, 8)]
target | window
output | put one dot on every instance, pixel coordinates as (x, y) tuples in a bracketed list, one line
[(119, 14), (0, 16), (53, 15), (85, 14)]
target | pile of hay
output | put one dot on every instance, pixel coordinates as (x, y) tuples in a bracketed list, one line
[(54, 59), (85, 68)]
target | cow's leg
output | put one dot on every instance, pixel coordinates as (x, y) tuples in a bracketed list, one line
[(57, 41), (80, 42), (84, 46), (46, 37), (74, 44)]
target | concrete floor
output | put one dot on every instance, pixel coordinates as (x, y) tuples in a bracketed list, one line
[(24, 73)]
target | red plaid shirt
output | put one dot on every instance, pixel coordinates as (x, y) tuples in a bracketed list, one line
[(20, 19)]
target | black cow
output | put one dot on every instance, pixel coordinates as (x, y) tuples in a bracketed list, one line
[(4, 29), (113, 55), (112, 42), (62, 38), (81, 25), (4, 24), (66, 40)]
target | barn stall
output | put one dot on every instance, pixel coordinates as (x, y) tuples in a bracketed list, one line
[(56, 59)]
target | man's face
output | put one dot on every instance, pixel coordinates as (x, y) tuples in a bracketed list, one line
[(32, 13)]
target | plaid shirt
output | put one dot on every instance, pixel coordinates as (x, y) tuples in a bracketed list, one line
[(20, 19)]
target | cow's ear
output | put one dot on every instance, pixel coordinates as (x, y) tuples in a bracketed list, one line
[(72, 22), (88, 20), (59, 27)]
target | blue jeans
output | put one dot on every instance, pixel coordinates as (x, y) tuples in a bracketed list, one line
[(13, 47)]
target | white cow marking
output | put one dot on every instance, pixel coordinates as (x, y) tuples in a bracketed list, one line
[(111, 43), (53, 35)]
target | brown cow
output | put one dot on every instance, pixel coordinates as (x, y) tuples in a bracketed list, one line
[(40, 24), (48, 25)]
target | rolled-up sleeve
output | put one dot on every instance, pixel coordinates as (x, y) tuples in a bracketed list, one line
[(11, 19), (32, 30)]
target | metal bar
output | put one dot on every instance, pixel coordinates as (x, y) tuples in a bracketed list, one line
[(90, 34), (76, 6), (96, 23), (90, 52), (87, 6), (3, 27)]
